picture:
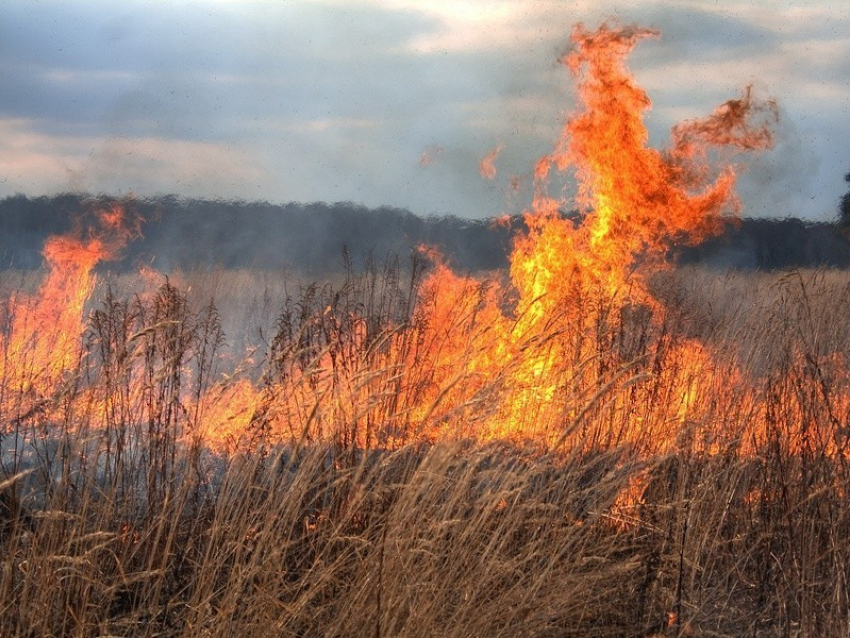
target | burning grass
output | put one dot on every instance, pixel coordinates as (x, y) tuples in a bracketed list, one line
[(723, 513), (588, 445)]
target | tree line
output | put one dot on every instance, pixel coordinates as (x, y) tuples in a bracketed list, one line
[(318, 238)]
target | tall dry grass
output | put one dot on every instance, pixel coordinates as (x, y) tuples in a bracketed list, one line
[(720, 513)]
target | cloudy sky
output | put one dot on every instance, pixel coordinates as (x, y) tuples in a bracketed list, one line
[(392, 101)]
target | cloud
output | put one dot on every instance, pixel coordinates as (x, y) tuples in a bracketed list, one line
[(35, 163), (336, 99)]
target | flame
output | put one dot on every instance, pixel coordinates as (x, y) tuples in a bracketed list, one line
[(633, 201), (429, 155), (544, 354), (42, 336), (487, 166)]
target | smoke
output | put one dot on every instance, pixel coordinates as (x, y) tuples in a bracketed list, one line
[(781, 183), (311, 239)]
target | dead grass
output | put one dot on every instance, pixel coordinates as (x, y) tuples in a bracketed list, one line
[(118, 522)]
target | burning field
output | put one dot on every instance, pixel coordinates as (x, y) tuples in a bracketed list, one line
[(591, 444)]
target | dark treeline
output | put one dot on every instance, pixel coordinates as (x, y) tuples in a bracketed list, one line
[(313, 238), (773, 244), (310, 238)]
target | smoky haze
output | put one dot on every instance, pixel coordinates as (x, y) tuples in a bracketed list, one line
[(313, 239), (320, 239), (335, 100)]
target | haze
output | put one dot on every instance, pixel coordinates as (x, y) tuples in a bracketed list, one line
[(391, 102)]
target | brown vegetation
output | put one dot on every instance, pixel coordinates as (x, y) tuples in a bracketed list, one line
[(123, 524)]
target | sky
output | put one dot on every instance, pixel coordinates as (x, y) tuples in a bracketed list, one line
[(393, 102)]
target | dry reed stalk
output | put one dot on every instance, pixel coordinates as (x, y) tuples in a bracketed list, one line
[(724, 513)]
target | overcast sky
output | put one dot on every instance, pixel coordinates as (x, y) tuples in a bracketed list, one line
[(392, 101)]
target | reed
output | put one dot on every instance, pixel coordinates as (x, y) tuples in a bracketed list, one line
[(691, 479)]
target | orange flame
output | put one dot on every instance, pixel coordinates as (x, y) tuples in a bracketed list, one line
[(526, 350), (634, 201), (531, 357), (487, 166), (43, 336)]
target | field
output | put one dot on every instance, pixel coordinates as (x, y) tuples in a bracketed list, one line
[(721, 510), (590, 443)]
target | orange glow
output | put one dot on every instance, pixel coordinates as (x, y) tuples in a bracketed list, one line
[(633, 202), (487, 167), (43, 338), (547, 355)]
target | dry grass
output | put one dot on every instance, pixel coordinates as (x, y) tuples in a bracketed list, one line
[(120, 523)]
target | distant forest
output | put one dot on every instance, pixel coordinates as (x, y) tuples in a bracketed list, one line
[(318, 238)]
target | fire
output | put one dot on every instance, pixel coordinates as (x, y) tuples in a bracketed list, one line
[(42, 336), (569, 341), (487, 167), (633, 202)]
